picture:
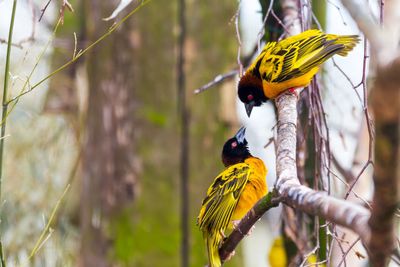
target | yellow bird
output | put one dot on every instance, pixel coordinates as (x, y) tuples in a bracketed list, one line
[(289, 64), (232, 194)]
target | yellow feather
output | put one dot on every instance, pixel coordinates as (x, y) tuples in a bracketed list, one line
[(292, 62), (232, 194), (213, 241)]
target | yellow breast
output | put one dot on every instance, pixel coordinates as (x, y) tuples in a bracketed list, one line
[(255, 188), (272, 90)]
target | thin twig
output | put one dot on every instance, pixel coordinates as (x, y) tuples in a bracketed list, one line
[(75, 45), (367, 118), (270, 141), (348, 250), (306, 256), (217, 80), (261, 32), (361, 13), (87, 49), (347, 174), (280, 22), (41, 239), (348, 79), (17, 45), (339, 10), (239, 62), (44, 10)]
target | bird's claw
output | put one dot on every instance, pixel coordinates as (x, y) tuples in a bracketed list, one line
[(294, 91)]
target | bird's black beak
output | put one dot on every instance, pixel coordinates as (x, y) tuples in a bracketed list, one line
[(240, 135), (249, 107)]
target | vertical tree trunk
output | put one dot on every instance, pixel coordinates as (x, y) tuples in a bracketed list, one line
[(385, 103), (109, 176)]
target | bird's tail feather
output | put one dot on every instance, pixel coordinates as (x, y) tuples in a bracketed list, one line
[(349, 42), (213, 242)]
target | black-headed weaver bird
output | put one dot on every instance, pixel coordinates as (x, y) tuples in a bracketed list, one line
[(232, 194), (289, 64)]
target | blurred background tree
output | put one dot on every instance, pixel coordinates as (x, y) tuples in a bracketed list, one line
[(118, 108)]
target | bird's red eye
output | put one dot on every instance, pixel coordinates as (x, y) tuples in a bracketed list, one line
[(250, 97), (234, 144)]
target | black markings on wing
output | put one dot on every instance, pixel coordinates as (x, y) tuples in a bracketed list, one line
[(222, 197), (260, 59), (279, 64)]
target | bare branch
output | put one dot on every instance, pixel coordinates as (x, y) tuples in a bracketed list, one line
[(43, 10), (239, 39), (347, 174), (3, 41), (338, 211), (218, 79)]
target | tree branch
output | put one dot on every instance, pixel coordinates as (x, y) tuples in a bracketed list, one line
[(313, 202)]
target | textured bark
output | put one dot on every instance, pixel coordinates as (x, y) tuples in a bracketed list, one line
[(109, 173), (386, 108), (301, 197)]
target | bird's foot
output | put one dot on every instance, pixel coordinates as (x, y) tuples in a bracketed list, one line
[(294, 91)]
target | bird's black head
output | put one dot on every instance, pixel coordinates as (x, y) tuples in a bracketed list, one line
[(235, 149), (250, 92)]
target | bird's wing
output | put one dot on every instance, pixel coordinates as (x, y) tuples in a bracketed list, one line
[(297, 55), (222, 197)]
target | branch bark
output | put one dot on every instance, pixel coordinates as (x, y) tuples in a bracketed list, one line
[(301, 197)]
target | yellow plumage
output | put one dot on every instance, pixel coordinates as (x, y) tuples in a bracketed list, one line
[(293, 61), (277, 255), (290, 63), (230, 197)]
